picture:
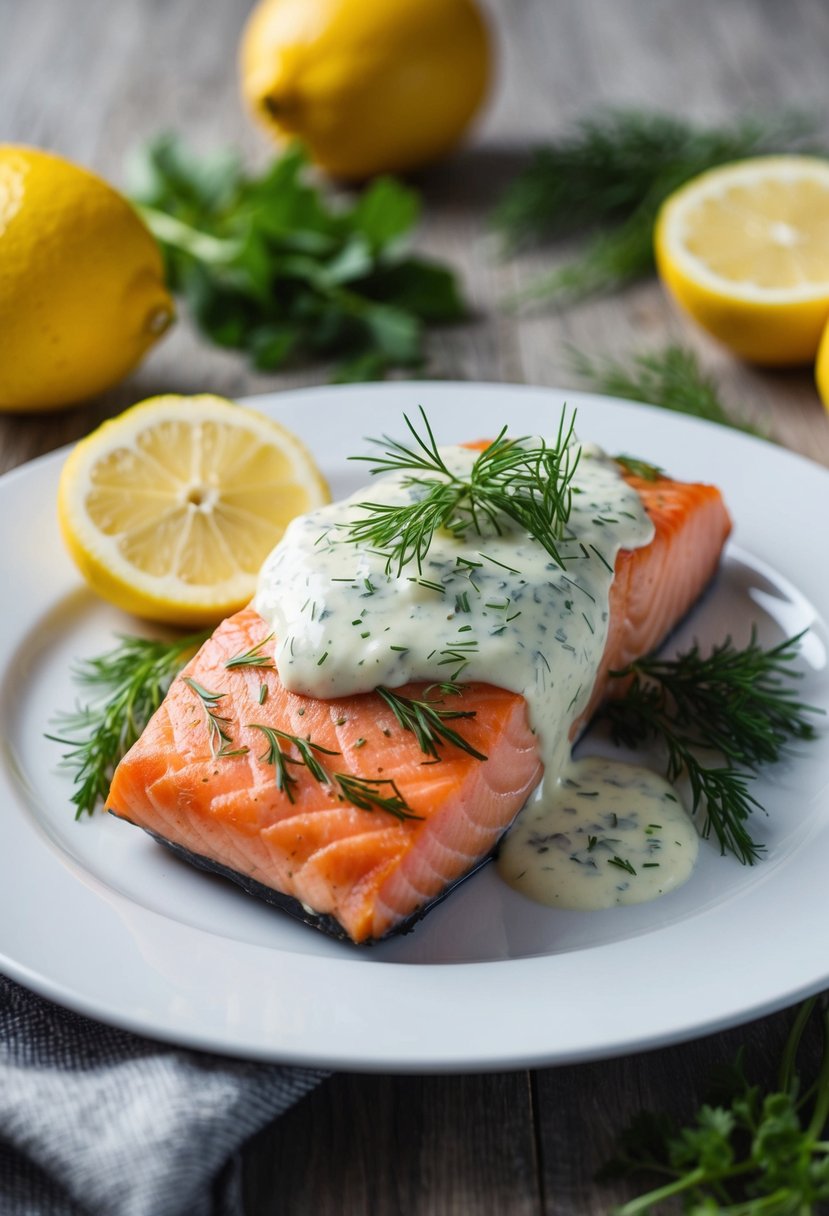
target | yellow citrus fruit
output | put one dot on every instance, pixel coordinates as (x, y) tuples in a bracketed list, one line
[(369, 86), (822, 368), (745, 250), (170, 509), (82, 293)]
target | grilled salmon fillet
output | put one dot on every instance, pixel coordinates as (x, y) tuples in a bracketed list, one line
[(362, 874)]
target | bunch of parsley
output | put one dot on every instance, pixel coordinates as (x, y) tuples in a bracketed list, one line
[(748, 1152), (269, 265)]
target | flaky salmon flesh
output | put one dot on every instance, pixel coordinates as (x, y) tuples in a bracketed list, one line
[(365, 873)]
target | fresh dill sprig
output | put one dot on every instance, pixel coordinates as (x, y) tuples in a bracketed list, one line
[(640, 468), (426, 719), (127, 685), (526, 481), (608, 179), (749, 1150), (221, 741), (252, 657), (671, 378), (276, 755), (734, 702), (366, 793), (458, 656), (610, 260)]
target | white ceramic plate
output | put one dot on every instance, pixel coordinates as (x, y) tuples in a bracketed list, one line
[(98, 917)]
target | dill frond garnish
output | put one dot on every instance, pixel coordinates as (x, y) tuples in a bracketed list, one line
[(672, 379), (366, 793), (525, 481), (737, 703), (608, 179), (426, 719), (253, 657), (458, 656), (221, 742), (127, 685), (640, 468), (281, 760)]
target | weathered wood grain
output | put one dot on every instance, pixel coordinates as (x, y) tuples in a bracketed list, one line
[(91, 79), (423, 1146), (582, 1110)]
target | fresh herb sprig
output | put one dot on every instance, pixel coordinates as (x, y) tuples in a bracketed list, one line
[(220, 738), (639, 468), (747, 1152), (734, 702), (252, 657), (282, 761), (526, 481), (426, 717), (608, 179), (127, 685), (671, 378), (366, 793), (268, 265)]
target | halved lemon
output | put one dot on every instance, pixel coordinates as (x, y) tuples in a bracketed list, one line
[(822, 368), (745, 250), (170, 509)]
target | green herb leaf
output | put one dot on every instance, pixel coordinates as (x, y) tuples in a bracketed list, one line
[(385, 212), (640, 468), (127, 685), (366, 793), (525, 481), (735, 702), (751, 1154), (672, 379), (253, 657), (426, 718), (220, 739), (267, 264), (609, 178)]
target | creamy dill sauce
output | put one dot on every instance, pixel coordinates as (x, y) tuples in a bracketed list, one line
[(606, 833), (489, 607)]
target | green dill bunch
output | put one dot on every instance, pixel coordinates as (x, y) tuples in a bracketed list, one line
[(607, 180)]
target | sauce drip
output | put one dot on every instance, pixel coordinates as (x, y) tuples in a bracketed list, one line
[(604, 833)]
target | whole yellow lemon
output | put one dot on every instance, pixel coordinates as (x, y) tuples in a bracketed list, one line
[(82, 293), (369, 86)]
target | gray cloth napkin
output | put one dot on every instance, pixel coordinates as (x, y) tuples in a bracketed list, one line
[(96, 1121)]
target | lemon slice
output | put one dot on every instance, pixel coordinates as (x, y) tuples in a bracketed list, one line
[(745, 250), (170, 509)]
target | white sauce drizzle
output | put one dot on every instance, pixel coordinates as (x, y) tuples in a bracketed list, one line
[(494, 608), (607, 833)]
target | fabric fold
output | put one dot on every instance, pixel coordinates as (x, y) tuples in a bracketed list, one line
[(96, 1121)]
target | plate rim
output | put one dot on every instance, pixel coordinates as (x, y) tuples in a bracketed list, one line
[(424, 1061)]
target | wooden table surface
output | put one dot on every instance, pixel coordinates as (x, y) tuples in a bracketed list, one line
[(91, 79)]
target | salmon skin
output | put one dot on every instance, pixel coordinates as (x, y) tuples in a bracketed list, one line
[(361, 874)]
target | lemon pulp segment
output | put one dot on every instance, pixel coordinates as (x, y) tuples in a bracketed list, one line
[(171, 508), (745, 250)]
